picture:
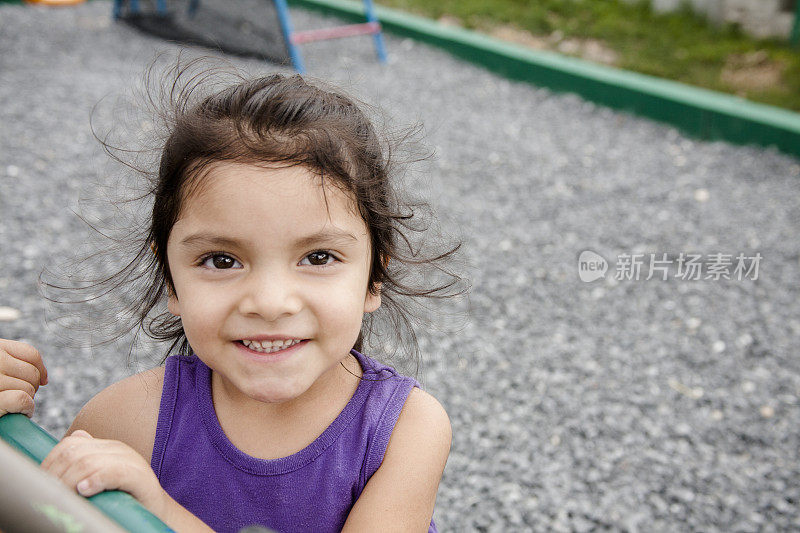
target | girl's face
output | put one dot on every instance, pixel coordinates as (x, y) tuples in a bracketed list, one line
[(270, 278)]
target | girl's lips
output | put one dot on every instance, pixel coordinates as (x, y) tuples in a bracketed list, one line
[(271, 338), (270, 346), (275, 356)]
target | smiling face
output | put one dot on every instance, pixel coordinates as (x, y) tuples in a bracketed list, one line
[(270, 275)]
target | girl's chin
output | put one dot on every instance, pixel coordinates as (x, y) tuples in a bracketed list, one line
[(274, 393), (241, 388), (274, 398)]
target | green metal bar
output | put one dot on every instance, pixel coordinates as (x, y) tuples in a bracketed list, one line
[(34, 442), (698, 112), (794, 38)]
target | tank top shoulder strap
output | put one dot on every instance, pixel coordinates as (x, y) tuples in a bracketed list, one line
[(388, 393), (179, 373)]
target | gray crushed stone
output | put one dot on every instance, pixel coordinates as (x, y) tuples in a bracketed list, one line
[(617, 405)]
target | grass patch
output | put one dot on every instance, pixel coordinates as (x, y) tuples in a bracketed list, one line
[(680, 46)]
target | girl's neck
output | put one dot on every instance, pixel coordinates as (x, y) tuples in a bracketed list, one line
[(252, 426)]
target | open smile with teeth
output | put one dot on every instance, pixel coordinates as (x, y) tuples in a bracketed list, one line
[(270, 346)]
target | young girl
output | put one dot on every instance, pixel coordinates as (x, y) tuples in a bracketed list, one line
[(275, 230)]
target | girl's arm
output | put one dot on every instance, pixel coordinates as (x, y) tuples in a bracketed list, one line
[(90, 466), (110, 444), (401, 494)]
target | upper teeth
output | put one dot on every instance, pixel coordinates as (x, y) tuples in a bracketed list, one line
[(270, 346)]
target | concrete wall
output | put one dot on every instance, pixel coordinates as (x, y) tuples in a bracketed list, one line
[(760, 18)]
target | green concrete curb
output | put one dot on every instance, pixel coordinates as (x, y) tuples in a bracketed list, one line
[(698, 112)]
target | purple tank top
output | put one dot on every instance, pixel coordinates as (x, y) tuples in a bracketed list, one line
[(312, 490)]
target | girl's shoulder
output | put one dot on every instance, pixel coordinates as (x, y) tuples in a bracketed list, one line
[(126, 411), (400, 496)]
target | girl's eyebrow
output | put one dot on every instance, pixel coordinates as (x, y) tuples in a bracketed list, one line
[(209, 239), (327, 236)]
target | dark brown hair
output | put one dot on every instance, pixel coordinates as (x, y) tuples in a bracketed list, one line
[(279, 120)]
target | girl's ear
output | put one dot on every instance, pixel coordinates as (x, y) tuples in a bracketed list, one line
[(172, 303), (373, 300)]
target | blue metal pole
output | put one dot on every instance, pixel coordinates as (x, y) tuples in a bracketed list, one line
[(286, 28), (378, 37)]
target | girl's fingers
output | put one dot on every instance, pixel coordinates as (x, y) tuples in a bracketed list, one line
[(26, 353), (21, 373), (60, 458), (16, 401), (91, 485), (91, 466), (16, 368), (22, 361), (107, 473), (68, 451), (8, 383)]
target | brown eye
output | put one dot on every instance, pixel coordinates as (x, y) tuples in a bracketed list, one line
[(319, 258), (220, 262)]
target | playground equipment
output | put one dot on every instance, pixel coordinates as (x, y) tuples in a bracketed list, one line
[(56, 2), (293, 39), (31, 500), (244, 27)]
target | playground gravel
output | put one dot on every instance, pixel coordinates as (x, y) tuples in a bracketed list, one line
[(613, 405)]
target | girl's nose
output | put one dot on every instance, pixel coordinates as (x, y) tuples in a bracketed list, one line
[(271, 296)]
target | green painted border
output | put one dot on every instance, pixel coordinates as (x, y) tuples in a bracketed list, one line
[(698, 112)]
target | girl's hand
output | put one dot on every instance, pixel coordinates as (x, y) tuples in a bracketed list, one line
[(22, 371), (90, 466)]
